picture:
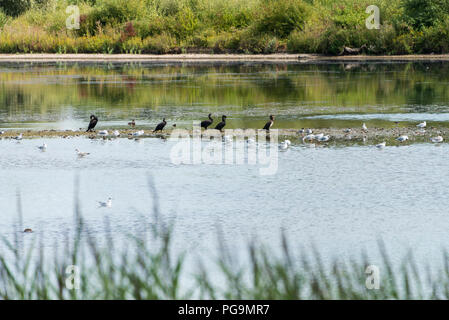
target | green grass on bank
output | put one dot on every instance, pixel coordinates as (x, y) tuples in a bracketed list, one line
[(150, 269), (217, 26)]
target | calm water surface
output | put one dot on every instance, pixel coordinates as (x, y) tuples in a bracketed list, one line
[(343, 199)]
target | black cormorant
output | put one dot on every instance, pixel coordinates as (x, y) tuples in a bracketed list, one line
[(160, 126), (93, 122), (269, 124), (206, 123), (221, 125)]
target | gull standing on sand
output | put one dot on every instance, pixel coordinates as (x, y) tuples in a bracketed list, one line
[(309, 131), (319, 136), (309, 137), (103, 132), (324, 138), (2, 132), (422, 125), (116, 133), (402, 138), (364, 128), (138, 133), (437, 139), (81, 154), (43, 147), (19, 137), (381, 145), (107, 204)]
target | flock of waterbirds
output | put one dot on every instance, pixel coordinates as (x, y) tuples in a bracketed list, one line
[(307, 134)]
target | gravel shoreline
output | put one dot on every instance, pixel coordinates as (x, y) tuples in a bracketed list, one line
[(192, 57)]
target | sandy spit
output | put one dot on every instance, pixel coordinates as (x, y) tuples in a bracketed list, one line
[(337, 135)]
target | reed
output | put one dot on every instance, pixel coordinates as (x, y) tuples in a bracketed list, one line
[(151, 269)]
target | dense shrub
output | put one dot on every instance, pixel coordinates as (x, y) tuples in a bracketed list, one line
[(425, 13), (281, 17), (239, 26), (434, 39), (15, 7)]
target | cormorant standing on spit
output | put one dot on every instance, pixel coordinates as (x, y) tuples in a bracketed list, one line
[(221, 125), (93, 122), (160, 126), (206, 123), (269, 124)]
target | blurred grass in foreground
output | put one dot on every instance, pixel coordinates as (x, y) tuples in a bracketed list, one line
[(152, 271)]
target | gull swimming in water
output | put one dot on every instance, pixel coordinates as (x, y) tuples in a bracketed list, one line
[(381, 145), (437, 139), (42, 147), (402, 138), (81, 154), (285, 144), (107, 204), (422, 124)]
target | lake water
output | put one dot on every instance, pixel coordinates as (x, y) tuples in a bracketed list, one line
[(342, 198)]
